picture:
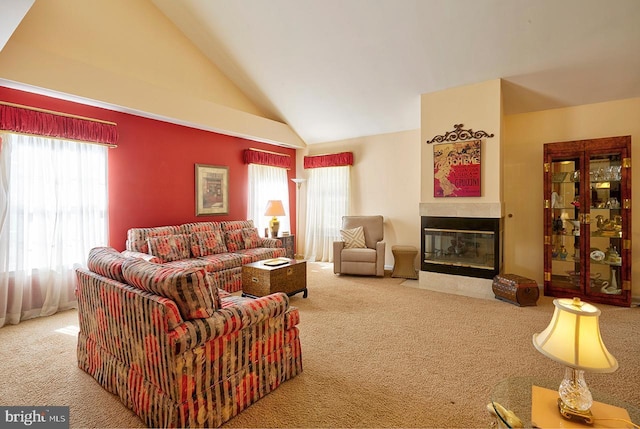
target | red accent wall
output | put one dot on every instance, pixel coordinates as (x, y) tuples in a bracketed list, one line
[(152, 171)]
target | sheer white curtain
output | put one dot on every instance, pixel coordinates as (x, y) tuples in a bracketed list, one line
[(53, 210), (267, 183), (327, 202)]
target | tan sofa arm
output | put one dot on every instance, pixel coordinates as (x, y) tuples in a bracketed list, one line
[(380, 249), (337, 259)]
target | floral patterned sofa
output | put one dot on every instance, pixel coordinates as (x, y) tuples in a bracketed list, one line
[(222, 248), (176, 350)]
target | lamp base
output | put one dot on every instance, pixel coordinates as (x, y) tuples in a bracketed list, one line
[(571, 414), (274, 226)]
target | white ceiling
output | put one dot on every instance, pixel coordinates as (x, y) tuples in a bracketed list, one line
[(338, 69), (11, 13)]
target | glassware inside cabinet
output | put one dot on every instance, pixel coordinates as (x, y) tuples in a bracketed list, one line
[(565, 226), (606, 237), (588, 220)]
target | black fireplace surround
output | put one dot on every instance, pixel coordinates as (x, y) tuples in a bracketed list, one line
[(470, 247)]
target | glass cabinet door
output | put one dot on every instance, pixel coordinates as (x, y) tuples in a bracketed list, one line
[(565, 224), (606, 221), (587, 225)]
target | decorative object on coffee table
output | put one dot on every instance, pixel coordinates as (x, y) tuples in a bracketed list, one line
[(265, 277), (404, 259), (516, 289)]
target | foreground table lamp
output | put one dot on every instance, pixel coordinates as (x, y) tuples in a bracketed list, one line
[(573, 339), (274, 208)]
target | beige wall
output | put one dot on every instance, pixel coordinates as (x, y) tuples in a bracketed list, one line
[(127, 53), (512, 160), (385, 180), (525, 135), (477, 106)]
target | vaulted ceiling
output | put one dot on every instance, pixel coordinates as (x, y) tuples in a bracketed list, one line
[(337, 69)]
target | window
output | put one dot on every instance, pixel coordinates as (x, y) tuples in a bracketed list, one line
[(53, 197), (327, 202), (267, 183)]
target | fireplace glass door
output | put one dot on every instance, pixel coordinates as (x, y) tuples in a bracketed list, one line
[(462, 246)]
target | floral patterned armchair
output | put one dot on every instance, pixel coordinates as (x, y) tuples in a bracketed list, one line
[(176, 350)]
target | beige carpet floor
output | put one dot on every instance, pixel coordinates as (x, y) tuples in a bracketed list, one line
[(377, 352)]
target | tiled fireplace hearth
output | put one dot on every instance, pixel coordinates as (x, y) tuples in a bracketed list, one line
[(461, 247)]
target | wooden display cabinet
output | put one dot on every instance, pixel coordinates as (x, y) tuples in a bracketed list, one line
[(587, 220)]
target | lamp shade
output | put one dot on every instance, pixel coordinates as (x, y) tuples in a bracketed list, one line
[(573, 337), (274, 208)]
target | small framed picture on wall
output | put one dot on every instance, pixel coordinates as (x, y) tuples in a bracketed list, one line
[(212, 190)]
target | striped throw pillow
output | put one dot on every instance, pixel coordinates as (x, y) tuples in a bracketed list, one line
[(190, 289), (207, 243), (251, 238), (353, 238), (169, 247)]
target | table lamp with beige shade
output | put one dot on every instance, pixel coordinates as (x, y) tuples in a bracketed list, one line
[(275, 209), (573, 339)]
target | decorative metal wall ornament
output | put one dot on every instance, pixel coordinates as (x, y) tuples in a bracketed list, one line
[(458, 134)]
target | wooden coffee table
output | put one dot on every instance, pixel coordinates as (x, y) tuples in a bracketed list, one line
[(260, 279)]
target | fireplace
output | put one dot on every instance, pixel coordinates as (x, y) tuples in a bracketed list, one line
[(463, 246)]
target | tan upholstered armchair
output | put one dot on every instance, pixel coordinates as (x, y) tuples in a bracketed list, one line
[(351, 255)]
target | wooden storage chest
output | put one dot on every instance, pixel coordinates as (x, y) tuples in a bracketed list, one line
[(516, 289), (259, 279)]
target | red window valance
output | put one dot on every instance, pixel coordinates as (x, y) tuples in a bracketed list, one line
[(21, 119), (272, 159), (332, 160)]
